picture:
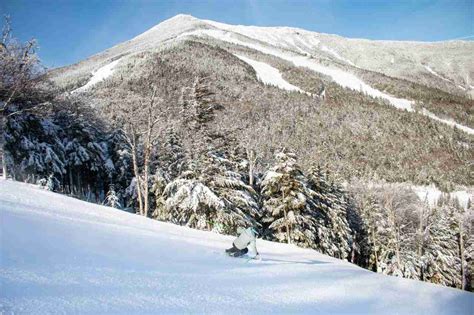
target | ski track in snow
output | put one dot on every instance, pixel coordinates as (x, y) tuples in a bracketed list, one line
[(343, 78), (99, 75), (63, 255), (270, 75)]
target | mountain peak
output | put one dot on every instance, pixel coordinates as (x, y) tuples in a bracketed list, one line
[(181, 16)]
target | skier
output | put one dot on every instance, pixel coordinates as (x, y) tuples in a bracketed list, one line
[(247, 237)]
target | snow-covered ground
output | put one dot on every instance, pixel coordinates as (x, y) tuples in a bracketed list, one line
[(336, 54), (270, 75), (431, 195), (99, 75), (62, 255)]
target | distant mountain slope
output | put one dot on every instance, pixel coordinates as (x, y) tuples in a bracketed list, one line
[(289, 87), (443, 65), (62, 255), (447, 65)]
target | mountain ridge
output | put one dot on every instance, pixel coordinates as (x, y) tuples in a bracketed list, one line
[(334, 47)]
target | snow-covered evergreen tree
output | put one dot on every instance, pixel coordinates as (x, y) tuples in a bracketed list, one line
[(211, 195), (331, 205), (444, 266), (372, 216), (34, 147), (288, 208), (172, 157), (112, 199)]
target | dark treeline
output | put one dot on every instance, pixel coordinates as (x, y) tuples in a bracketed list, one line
[(192, 174)]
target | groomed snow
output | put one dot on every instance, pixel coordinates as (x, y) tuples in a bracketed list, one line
[(63, 255), (270, 75), (99, 75)]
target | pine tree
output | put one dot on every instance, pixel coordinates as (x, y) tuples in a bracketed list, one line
[(112, 199), (372, 216), (211, 195), (444, 266), (287, 203), (172, 155), (228, 181), (331, 205)]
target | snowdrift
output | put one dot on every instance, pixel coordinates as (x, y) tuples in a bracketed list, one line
[(62, 255)]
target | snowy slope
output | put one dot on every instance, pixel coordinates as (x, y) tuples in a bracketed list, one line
[(412, 57), (99, 75), (339, 76), (431, 195), (62, 255), (270, 75)]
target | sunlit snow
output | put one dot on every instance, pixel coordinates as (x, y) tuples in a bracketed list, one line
[(269, 75), (431, 195), (98, 75), (436, 74), (63, 255)]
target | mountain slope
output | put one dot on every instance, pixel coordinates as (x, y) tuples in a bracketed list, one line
[(321, 53), (445, 65), (62, 255), (269, 88)]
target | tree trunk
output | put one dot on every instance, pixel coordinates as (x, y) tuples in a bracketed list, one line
[(145, 187), (375, 251), (461, 254), (286, 222), (71, 182), (137, 176), (421, 244), (3, 124), (353, 248), (4, 164), (251, 157)]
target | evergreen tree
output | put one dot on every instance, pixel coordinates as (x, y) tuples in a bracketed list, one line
[(372, 216), (211, 195), (287, 205), (331, 205), (112, 199), (172, 157), (444, 266)]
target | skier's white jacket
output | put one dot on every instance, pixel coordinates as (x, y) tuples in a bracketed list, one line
[(246, 238)]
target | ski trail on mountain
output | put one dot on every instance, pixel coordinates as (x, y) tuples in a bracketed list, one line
[(270, 75), (99, 75), (343, 78)]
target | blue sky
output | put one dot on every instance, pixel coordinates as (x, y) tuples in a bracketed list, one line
[(71, 30)]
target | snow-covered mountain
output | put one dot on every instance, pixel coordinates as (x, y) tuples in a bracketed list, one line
[(446, 64), (62, 255), (411, 95)]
